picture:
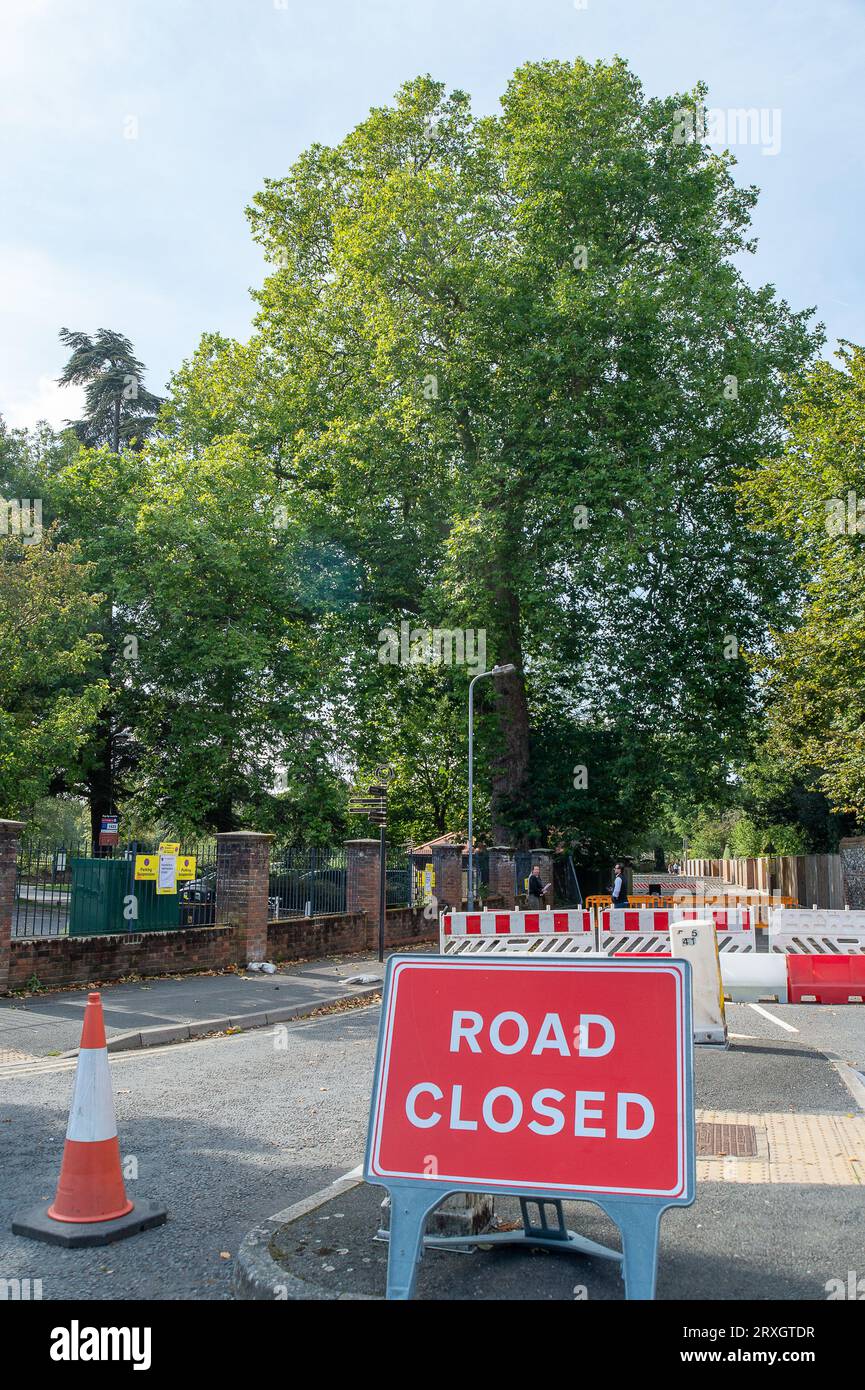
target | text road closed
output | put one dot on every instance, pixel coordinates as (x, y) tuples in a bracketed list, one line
[(534, 1075)]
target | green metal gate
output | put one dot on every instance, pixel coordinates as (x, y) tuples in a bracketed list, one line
[(99, 888)]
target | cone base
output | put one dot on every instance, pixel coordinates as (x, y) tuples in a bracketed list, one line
[(90, 1220), (38, 1225)]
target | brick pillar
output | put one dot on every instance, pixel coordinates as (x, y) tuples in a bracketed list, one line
[(502, 874), (362, 877), (242, 881), (448, 862), (10, 838)]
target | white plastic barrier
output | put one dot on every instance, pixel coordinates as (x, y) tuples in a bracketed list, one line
[(816, 931), (554, 933), (754, 977)]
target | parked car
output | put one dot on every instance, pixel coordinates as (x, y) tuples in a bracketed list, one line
[(198, 899)]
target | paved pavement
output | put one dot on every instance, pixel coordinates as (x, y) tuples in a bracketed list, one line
[(48, 1024), (735, 1242)]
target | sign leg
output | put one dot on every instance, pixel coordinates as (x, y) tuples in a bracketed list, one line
[(409, 1208), (638, 1223)]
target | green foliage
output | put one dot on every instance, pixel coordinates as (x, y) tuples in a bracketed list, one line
[(119, 410), (487, 390), (809, 494), (444, 382), (50, 690), (748, 839)]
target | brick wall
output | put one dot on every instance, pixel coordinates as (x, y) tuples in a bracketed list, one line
[(853, 870), (242, 871), (82, 960), (74, 960), (347, 934)]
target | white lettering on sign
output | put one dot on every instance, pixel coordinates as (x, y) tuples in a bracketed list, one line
[(583, 1114), (466, 1025), (586, 1021), (551, 1034), (624, 1100), (502, 1111), (540, 1107), (433, 1090), (496, 1030), (456, 1121), (470, 1033)]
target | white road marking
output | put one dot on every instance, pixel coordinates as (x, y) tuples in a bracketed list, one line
[(772, 1019)]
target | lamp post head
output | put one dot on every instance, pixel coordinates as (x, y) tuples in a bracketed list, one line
[(503, 670)]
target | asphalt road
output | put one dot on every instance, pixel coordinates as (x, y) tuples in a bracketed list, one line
[(838, 1028), (230, 1130), (226, 1132)]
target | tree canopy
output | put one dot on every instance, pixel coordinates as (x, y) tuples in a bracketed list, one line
[(506, 381)]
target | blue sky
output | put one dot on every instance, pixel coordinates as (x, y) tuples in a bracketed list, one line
[(148, 235)]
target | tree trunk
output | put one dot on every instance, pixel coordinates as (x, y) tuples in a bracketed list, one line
[(224, 817), (100, 778)]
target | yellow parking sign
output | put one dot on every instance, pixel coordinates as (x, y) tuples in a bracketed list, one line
[(185, 866), (169, 847), (145, 866)]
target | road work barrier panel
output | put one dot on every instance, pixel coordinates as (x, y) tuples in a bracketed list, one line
[(646, 931), (493, 1076), (825, 979), (491, 933), (816, 931)]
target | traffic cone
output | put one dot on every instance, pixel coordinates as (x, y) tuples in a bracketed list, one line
[(91, 1206)]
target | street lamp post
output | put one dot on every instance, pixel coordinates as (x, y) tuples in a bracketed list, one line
[(496, 671)]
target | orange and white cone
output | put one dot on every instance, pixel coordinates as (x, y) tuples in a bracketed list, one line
[(90, 1192), (91, 1179)]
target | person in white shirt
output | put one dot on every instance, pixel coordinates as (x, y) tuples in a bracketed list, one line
[(618, 892)]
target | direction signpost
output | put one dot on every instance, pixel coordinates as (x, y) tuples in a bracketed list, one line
[(542, 1078)]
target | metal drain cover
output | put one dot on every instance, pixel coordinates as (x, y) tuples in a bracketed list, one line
[(726, 1141)]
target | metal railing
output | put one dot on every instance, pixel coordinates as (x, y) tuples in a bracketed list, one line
[(307, 882), (400, 877), (71, 885), (43, 885)]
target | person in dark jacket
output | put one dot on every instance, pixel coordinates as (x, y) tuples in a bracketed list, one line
[(536, 889), (619, 892)]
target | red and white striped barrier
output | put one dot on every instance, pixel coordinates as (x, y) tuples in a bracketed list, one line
[(472, 932), (646, 930), (658, 919)]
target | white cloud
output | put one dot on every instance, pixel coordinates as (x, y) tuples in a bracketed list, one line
[(50, 402)]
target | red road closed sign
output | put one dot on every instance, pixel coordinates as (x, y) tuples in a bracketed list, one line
[(535, 1075)]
